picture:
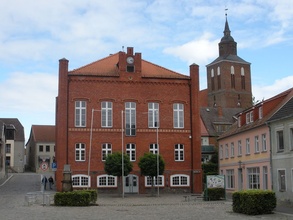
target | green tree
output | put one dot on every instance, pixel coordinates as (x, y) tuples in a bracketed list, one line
[(148, 166), (113, 165)]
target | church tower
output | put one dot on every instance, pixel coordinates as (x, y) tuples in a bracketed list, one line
[(228, 76)]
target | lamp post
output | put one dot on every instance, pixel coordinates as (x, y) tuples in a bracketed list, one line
[(158, 151), (122, 151), (90, 150)]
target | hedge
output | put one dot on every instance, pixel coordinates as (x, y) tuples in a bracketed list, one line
[(254, 202), (75, 198)]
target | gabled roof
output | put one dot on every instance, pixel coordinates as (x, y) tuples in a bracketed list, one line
[(286, 111), (211, 117), (108, 66), (43, 133), (270, 107), (14, 123)]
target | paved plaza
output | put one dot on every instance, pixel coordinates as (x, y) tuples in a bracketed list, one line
[(13, 205)]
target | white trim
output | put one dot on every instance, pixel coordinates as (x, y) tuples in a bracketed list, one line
[(80, 176), (107, 181), (179, 175), (160, 177)]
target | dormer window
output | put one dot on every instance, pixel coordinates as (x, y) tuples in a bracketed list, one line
[(249, 117), (260, 112)]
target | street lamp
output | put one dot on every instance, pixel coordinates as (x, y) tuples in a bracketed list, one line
[(158, 151), (122, 162), (90, 150)]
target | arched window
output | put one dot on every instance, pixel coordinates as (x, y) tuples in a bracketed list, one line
[(106, 181), (242, 78), (213, 79), (232, 77), (80, 180), (179, 180), (219, 77)]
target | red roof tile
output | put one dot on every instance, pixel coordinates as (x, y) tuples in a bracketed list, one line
[(43, 133)]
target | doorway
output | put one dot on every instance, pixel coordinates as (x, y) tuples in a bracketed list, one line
[(131, 184)]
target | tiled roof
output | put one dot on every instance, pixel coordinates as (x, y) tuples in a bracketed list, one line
[(108, 66), (210, 116), (231, 58), (19, 134), (203, 98), (43, 133), (270, 106)]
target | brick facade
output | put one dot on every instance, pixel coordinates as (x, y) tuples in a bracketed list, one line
[(113, 80)]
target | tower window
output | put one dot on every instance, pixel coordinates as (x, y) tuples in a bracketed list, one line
[(130, 69)]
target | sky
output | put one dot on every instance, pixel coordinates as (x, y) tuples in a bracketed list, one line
[(174, 34)]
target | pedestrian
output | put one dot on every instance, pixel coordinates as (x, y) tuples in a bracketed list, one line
[(51, 182), (44, 182)]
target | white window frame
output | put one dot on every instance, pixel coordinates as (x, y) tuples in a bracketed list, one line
[(153, 115), (80, 113), (226, 151), (280, 189), (80, 153), (106, 114), (264, 142), (130, 118), (107, 180), (148, 183), (260, 112), (230, 179), (239, 148), (291, 139), (179, 152), (247, 144), (221, 152), (265, 177), (179, 176), (256, 144), (253, 175), (131, 151), (232, 149), (178, 115), (81, 180), (154, 148), (106, 150)]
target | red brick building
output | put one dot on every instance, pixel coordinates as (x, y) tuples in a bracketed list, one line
[(123, 90)]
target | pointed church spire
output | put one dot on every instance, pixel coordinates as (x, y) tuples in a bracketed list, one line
[(227, 32)]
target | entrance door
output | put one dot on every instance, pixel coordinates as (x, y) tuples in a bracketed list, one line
[(240, 179), (131, 184)]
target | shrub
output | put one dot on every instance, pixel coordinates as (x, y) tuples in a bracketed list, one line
[(254, 202), (75, 198), (213, 194)]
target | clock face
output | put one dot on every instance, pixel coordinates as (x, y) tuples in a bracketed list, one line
[(130, 60)]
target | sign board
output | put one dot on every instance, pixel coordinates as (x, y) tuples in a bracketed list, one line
[(44, 166), (54, 166), (215, 181)]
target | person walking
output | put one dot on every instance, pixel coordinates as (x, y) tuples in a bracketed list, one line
[(51, 182), (44, 182)]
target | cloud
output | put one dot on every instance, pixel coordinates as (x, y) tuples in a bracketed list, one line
[(198, 51), (29, 92), (261, 92)]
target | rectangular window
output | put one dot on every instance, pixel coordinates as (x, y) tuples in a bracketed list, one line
[(265, 177), (280, 140), (291, 139), (251, 116), (239, 148), (178, 115), (226, 151), (8, 148), (153, 148), (107, 114), (47, 148), (80, 114), (153, 115), (41, 148), (232, 149), (106, 149), (247, 118), (179, 152), (230, 181), (253, 178), (282, 180), (130, 118), (130, 151), (260, 113), (263, 142), (256, 145), (80, 152), (247, 146)]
